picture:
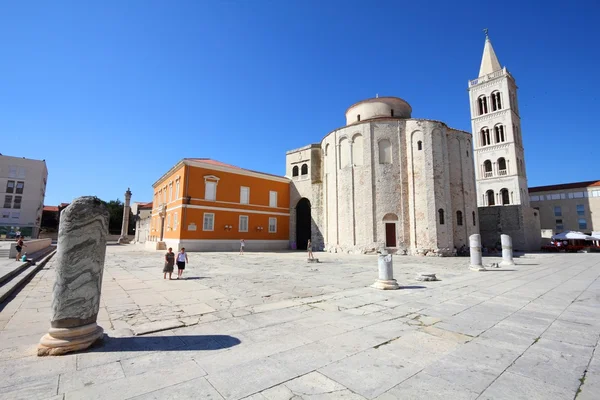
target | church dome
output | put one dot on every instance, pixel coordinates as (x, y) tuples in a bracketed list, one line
[(378, 107)]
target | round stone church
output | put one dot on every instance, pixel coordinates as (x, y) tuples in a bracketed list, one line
[(387, 180)]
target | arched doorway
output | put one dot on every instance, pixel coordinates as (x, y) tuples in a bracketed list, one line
[(303, 223)]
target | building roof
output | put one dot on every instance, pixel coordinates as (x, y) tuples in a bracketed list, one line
[(564, 186), (51, 208), (210, 161), (489, 61), (145, 206)]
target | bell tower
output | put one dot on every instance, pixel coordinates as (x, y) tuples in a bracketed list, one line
[(499, 156)]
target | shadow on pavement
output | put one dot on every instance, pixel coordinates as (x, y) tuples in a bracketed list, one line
[(413, 287), (165, 343), (498, 270)]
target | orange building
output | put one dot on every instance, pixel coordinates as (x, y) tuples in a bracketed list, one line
[(205, 205)]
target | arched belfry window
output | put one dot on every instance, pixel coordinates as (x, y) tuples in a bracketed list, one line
[(459, 218), (304, 169), (357, 150), (482, 105), (441, 216), (419, 145), (505, 197), (499, 133), (496, 101), (502, 166), (490, 198), (358, 117), (295, 170), (474, 223), (385, 151), (485, 137), (487, 169)]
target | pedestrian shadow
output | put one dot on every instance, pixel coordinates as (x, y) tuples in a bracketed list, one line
[(191, 278), (499, 269), (110, 344), (413, 287)]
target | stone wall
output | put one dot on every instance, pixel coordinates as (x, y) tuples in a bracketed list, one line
[(519, 222), (31, 246)]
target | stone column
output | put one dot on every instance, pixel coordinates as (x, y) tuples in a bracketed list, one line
[(475, 250), (507, 250), (79, 267), (386, 279), (125, 227)]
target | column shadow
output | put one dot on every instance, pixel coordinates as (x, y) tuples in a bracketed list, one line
[(164, 343)]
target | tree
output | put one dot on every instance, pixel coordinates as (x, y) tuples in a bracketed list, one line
[(115, 210)]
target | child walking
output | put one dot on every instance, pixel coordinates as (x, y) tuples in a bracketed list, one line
[(309, 249), (242, 244), (182, 258)]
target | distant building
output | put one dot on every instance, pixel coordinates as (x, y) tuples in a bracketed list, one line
[(22, 191), (203, 204), (142, 214), (568, 207)]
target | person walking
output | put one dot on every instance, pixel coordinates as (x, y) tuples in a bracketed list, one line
[(169, 263), (309, 249), (242, 245), (19, 247), (182, 258)]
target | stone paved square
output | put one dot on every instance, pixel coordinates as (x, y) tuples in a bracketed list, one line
[(272, 326)]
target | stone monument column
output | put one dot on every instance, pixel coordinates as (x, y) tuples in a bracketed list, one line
[(386, 279), (475, 250), (162, 213), (79, 268), (125, 226), (507, 250)]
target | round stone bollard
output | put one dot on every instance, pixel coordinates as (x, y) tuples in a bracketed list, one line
[(79, 268), (386, 279), (507, 250), (475, 249)]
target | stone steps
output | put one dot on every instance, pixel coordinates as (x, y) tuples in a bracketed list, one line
[(4, 253), (14, 278)]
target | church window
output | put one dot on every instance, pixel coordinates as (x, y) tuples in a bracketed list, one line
[(467, 153), (304, 169), (441, 216), (505, 197), (344, 152), (385, 152), (392, 113), (482, 103), (502, 166), (295, 170), (582, 223), (459, 218), (358, 117), (487, 169), (499, 133), (496, 102), (357, 150), (419, 145), (490, 198), (474, 221), (485, 137)]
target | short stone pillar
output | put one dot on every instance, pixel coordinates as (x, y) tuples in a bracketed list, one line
[(124, 239), (507, 250), (386, 279), (475, 250), (79, 268)]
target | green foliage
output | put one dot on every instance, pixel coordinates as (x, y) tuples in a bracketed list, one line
[(50, 220), (115, 209)]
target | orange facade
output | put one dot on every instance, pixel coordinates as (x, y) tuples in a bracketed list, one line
[(202, 204)]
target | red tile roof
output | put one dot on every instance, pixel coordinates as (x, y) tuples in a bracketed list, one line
[(222, 164), (564, 186), (51, 208), (145, 206)]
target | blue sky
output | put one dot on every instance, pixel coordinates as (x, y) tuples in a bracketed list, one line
[(113, 93)]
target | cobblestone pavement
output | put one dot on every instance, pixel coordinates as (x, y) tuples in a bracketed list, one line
[(272, 326)]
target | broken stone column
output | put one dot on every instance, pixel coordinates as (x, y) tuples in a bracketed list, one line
[(79, 267), (124, 239), (386, 279), (475, 250), (507, 250)]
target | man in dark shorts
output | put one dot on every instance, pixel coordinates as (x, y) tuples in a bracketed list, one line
[(19, 247), (182, 258)]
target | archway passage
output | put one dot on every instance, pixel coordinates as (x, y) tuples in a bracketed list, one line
[(303, 223)]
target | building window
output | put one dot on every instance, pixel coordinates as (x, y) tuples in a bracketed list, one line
[(210, 190), (357, 150), (358, 117), (7, 201), (272, 199), (12, 172), (459, 218), (419, 145), (17, 203), (171, 192), (496, 102), (557, 211), (304, 169), (499, 133), (490, 198), (467, 153), (16, 215), (344, 152), (272, 225), (559, 225), (209, 222), (295, 170), (502, 166), (5, 215), (244, 195), (243, 223), (175, 221), (385, 152), (582, 223), (177, 189), (487, 169), (441, 216), (474, 221), (580, 209), (485, 137), (21, 172), (505, 197), (482, 103), (392, 113), (10, 187)]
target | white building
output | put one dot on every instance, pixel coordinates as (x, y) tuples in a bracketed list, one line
[(384, 179), (22, 191), (502, 194)]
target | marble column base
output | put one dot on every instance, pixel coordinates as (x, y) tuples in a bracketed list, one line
[(386, 285), (477, 268), (60, 341), (123, 240), (504, 263)]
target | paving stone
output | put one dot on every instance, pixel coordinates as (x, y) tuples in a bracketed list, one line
[(424, 386), (71, 381), (517, 387), (194, 389)]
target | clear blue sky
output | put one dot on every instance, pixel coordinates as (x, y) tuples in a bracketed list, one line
[(113, 93)]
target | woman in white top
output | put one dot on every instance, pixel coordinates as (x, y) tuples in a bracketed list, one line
[(181, 260), (242, 244)]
